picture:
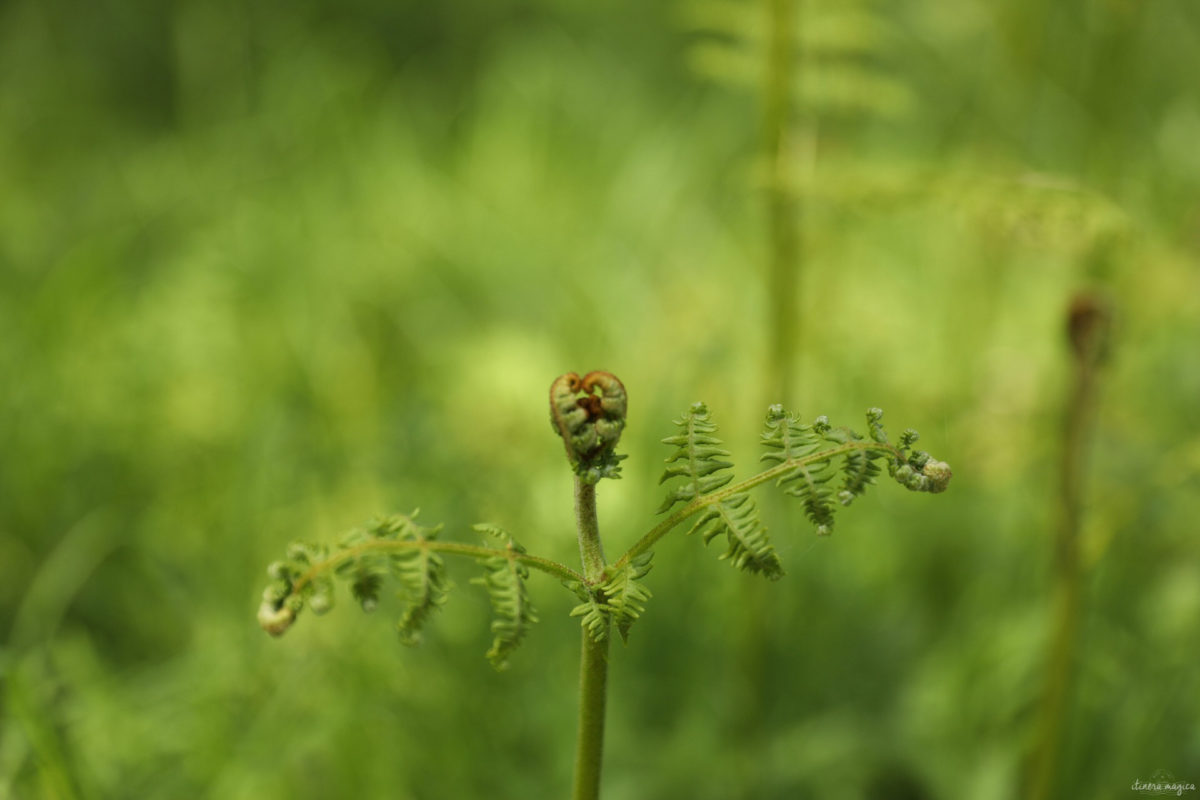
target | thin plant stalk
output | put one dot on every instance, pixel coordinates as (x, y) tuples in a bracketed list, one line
[(1087, 328), (783, 207), (593, 665), (783, 333)]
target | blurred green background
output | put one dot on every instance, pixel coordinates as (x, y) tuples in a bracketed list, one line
[(269, 269)]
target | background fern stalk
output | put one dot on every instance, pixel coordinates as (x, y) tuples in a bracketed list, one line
[(783, 205), (1088, 321)]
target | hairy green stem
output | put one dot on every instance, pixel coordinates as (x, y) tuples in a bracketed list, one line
[(591, 551), (593, 666), (593, 691), (663, 528)]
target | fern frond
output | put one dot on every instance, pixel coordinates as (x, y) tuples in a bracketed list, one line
[(845, 45), (399, 549), (422, 573), (627, 595), (390, 547), (791, 443), (916, 470), (700, 460), (749, 549), (859, 470), (595, 613), (619, 601), (365, 585), (830, 30), (805, 460), (788, 442), (504, 581), (843, 30)]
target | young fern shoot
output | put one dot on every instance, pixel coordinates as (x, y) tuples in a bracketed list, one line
[(822, 466)]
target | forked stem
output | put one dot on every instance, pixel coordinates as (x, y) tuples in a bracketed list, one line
[(593, 665)]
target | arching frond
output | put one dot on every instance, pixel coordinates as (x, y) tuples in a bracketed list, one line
[(504, 581), (422, 573)]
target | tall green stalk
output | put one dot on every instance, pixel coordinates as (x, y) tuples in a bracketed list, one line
[(783, 206), (783, 331), (593, 664), (1087, 330)]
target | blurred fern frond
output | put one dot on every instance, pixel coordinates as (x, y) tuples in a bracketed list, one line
[(843, 48), (839, 61)]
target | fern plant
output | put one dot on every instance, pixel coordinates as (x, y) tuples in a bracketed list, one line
[(821, 466)]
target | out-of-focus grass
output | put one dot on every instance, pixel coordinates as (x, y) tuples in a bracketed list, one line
[(316, 275)]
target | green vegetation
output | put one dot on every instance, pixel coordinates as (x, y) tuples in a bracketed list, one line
[(264, 270), (589, 414)]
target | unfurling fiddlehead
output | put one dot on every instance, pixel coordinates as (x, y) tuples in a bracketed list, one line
[(590, 424)]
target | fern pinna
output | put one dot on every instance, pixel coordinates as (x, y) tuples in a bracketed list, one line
[(700, 461), (823, 467)]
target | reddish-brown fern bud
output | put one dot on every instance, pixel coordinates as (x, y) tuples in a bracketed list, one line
[(589, 414)]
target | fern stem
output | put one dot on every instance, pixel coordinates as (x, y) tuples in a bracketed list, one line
[(591, 551), (700, 503), (593, 691), (783, 206), (1087, 327), (560, 571), (593, 662)]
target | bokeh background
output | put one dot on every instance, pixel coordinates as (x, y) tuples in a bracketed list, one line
[(270, 269)]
